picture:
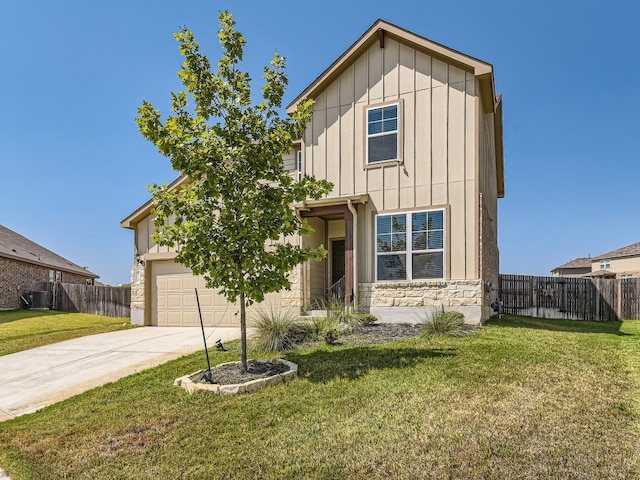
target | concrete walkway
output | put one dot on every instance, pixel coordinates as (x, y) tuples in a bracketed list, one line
[(33, 379)]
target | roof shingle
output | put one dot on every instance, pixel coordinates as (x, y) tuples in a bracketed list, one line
[(15, 246)]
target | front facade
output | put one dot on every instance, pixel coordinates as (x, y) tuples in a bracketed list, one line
[(410, 134), (26, 266)]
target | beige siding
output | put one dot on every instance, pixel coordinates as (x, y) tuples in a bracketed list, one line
[(628, 265), (316, 271), (144, 238), (439, 117)]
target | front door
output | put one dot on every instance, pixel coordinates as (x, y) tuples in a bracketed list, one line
[(337, 260)]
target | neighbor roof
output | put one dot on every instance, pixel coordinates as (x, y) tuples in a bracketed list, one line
[(628, 251), (582, 262), (15, 246)]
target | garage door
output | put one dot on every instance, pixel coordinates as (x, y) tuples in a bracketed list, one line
[(173, 299)]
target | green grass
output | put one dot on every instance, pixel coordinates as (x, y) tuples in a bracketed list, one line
[(522, 398), (25, 329)]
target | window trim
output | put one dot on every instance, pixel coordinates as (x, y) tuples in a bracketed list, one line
[(399, 132), (409, 251), (299, 164)]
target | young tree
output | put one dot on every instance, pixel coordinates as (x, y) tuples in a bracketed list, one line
[(229, 221)]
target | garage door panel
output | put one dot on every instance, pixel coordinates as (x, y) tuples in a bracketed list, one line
[(174, 301)]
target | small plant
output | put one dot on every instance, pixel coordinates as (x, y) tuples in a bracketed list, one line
[(277, 330), (444, 323), (339, 320), (322, 325), (331, 337)]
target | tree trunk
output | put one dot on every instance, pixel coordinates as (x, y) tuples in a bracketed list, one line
[(243, 335)]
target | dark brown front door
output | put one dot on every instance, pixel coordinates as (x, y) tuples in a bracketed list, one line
[(337, 260)]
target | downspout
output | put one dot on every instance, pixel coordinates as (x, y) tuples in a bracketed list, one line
[(354, 212)]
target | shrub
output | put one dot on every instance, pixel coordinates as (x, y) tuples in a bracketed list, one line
[(339, 320), (444, 323), (277, 330), (320, 326)]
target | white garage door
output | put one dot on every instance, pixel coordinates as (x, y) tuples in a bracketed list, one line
[(173, 299)]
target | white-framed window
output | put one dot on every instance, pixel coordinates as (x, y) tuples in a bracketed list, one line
[(299, 164), (605, 264), (410, 246), (55, 276), (383, 133)]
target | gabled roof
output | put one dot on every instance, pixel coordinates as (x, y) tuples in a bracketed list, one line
[(491, 103), (15, 246), (632, 250), (582, 262), (133, 218), (381, 30)]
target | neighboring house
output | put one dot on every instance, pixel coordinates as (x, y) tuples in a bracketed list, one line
[(26, 266), (574, 268), (410, 134), (621, 263)]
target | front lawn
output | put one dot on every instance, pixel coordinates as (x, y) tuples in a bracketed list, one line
[(523, 398), (25, 329)]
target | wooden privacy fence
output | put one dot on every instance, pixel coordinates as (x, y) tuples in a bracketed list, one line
[(597, 299), (107, 301)]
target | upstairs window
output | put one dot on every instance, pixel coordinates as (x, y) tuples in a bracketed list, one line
[(605, 264), (299, 164), (382, 133)]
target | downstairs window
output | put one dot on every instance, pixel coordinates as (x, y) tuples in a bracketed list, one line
[(410, 246)]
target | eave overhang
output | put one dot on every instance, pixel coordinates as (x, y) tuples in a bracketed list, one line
[(145, 210), (308, 205), (381, 29)]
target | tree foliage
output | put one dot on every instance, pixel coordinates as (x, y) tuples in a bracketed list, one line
[(229, 221)]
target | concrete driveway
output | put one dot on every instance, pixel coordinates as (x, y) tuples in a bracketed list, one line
[(33, 379)]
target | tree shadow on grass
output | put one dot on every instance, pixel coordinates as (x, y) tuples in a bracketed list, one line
[(557, 325), (323, 365)]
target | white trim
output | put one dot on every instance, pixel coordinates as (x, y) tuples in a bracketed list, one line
[(409, 251), (397, 131)]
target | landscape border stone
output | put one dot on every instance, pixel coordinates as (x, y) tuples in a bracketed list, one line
[(189, 383)]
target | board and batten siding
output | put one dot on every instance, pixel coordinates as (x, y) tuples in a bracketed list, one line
[(629, 265), (440, 119)]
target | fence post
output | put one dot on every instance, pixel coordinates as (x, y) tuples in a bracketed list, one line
[(618, 294)]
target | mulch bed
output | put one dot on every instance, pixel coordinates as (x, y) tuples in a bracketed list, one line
[(380, 333), (375, 334)]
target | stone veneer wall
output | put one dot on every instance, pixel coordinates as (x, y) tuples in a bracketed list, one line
[(137, 287), (448, 293), (489, 260), (137, 295), (411, 302), (293, 298)]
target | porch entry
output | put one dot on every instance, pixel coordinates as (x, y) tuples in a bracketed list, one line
[(333, 227), (337, 287)]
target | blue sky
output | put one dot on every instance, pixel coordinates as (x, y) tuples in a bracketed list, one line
[(72, 164)]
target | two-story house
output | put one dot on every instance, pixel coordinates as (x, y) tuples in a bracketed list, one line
[(410, 134)]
